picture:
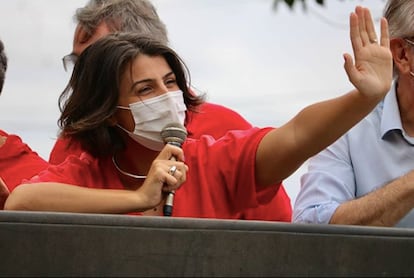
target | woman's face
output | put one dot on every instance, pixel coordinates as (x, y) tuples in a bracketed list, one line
[(147, 77)]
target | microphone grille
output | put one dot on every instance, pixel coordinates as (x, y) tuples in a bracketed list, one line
[(174, 133)]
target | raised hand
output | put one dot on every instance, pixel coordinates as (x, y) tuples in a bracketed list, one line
[(372, 72)]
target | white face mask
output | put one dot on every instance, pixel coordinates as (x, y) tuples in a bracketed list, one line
[(152, 115)]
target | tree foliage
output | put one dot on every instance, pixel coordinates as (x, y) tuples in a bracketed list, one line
[(291, 3)]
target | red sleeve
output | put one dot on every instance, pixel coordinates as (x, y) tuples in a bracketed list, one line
[(83, 170), (18, 161), (278, 209), (225, 170), (74, 170), (216, 120)]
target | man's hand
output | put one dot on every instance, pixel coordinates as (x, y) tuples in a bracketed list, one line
[(372, 72)]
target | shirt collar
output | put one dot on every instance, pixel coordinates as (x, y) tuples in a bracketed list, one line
[(390, 119)]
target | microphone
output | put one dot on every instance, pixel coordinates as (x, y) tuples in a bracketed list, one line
[(173, 134)]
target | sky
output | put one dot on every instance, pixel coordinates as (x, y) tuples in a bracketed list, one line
[(264, 63)]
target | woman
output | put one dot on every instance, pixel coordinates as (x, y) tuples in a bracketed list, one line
[(127, 168)]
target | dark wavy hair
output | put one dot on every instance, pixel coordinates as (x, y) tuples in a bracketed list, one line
[(3, 65), (91, 97)]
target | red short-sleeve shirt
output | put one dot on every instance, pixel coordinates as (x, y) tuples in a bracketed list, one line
[(220, 183), (214, 120)]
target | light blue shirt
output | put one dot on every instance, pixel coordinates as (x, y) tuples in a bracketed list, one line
[(372, 154)]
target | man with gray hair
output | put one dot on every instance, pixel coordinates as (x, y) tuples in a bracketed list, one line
[(99, 18), (367, 177)]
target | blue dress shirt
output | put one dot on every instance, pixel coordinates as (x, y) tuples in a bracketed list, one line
[(370, 155)]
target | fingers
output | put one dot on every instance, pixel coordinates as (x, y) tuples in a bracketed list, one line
[(369, 26), (176, 175), (362, 29), (170, 151), (349, 65), (354, 32), (370, 70), (164, 176), (385, 36), (174, 171), (362, 24)]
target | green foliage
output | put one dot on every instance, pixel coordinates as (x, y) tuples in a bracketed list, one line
[(291, 3)]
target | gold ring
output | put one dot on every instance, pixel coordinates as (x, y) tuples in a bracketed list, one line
[(373, 40)]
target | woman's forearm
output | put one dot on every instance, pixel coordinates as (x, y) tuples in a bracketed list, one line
[(70, 198)]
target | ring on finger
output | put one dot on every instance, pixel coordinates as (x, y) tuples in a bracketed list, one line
[(373, 40), (172, 170)]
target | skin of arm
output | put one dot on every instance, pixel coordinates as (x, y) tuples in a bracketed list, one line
[(382, 207), (53, 196), (319, 125), (71, 198)]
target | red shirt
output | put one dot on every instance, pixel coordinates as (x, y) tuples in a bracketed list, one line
[(221, 182), (18, 161), (214, 120)]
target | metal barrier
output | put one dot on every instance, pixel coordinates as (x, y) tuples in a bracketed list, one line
[(69, 244)]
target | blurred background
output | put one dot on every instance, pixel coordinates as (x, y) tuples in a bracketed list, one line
[(266, 63)]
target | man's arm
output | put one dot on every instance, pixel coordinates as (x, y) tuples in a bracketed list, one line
[(319, 125), (385, 206)]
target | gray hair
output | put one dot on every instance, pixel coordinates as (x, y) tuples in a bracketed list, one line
[(400, 15), (3, 65), (138, 16)]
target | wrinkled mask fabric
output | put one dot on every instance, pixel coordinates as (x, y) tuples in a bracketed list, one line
[(152, 115)]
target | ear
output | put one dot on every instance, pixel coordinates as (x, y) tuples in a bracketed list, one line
[(401, 55), (81, 36)]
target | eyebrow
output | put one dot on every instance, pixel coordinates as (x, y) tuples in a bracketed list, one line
[(149, 80)]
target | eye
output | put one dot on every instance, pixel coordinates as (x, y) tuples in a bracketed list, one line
[(170, 82), (143, 91)]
